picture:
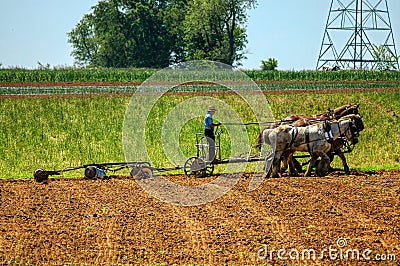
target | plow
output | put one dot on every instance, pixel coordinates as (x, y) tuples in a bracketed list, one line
[(139, 170)]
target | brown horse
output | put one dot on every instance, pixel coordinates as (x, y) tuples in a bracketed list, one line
[(330, 114), (303, 120)]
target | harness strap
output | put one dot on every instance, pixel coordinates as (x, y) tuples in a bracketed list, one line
[(328, 132), (307, 135), (329, 136), (295, 131)]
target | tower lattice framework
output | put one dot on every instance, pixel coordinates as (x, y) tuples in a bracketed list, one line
[(354, 30)]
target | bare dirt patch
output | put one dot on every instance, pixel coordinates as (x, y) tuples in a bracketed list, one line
[(104, 222)]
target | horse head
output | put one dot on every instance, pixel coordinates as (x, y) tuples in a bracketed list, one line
[(359, 124), (355, 126)]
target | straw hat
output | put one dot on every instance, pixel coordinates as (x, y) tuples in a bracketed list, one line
[(212, 108)]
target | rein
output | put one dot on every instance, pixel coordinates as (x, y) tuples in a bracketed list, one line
[(247, 124)]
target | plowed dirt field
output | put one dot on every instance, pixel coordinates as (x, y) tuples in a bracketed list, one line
[(115, 222)]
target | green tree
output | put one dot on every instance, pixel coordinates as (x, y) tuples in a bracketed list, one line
[(215, 30), (149, 33), (269, 64), (83, 40), (126, 33)]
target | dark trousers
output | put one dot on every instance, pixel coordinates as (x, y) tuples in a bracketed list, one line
[(209, 133)]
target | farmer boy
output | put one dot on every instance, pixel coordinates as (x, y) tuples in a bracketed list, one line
[(209, 131)]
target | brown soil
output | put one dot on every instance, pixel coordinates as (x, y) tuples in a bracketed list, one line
[(115, 222)]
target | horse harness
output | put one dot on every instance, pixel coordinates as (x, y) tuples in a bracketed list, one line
[(327, 134), (295, 132)]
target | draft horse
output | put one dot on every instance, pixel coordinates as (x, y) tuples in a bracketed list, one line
[(314, 139)]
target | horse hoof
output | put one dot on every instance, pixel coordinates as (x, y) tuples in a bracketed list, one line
[(321, 173), (294, 174), (347, 170)]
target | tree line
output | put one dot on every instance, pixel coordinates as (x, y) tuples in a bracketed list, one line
[(158, 33)]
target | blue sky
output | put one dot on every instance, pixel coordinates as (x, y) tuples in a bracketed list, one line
[(291, 31)]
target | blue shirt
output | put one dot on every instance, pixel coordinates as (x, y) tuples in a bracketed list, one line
[(208, 120)]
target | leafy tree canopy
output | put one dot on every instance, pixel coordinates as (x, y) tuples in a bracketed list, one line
[(149, 33), (215, 30)]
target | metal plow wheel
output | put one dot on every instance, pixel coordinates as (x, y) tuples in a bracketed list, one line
[(92, 172), (41, 175), (141, 172), (198, 167)]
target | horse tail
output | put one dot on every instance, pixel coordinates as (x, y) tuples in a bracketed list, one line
[(259, 142)]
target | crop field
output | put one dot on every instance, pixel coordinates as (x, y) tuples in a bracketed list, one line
[(113, 221), (140, 75)]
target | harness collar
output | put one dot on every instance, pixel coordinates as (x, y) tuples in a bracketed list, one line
[(329, 136), (295, 131), (328, 132)]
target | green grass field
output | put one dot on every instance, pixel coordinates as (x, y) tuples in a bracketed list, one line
[(56, 133)]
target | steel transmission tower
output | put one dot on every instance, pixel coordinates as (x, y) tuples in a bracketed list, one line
[(354, 29)]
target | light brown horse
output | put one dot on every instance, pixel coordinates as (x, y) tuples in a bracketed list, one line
[(337, 145), (288, 139), (302, 120)]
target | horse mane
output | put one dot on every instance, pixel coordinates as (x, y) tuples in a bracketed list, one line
[(341, 108), (352, 109)]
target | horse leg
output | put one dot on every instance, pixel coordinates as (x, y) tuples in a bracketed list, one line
[(311, 164), (269, 164), (285, 162), (276, 165), (287, 158), (345, 166), (297, 165), (331, 157), (323, 165), (292, 166)]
